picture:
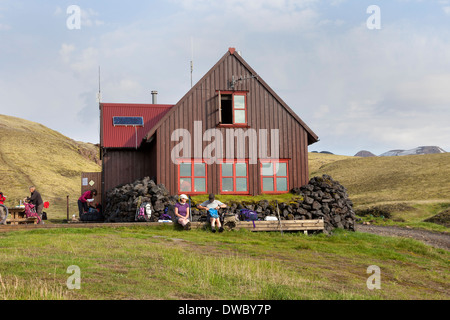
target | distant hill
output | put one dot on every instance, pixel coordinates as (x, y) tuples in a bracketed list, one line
[(364, 154), (385, 179), (32, 154), (418, 150), (326, 152)]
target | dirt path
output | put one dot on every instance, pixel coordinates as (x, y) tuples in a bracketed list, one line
[(435, 239)]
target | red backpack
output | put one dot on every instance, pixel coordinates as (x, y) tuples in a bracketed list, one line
[(30, 211)]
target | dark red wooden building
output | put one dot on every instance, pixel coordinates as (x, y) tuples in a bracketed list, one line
[(230, 134)]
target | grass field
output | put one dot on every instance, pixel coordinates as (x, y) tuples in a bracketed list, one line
[(161, 263)]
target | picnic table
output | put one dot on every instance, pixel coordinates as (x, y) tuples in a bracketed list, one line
[(16, 215)]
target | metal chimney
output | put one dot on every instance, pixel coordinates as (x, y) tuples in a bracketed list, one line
[(154, 94)]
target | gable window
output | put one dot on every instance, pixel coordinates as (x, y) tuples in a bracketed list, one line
[(234, 177), (192, 177), (274, 176), (233, 108)]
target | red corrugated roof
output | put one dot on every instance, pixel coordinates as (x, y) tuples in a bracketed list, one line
[(128, 137)]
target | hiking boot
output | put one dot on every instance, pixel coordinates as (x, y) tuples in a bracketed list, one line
[(213, 230), (221, 229), (187, 226)]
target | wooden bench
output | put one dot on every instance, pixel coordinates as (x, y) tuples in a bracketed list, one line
[(285, 225), (32, 220)]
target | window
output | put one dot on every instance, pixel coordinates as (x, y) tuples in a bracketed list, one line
[(234, 177), (233, 108), (192, 177), (274, 176)]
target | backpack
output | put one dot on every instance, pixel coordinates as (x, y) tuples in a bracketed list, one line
[(248, 215), (30, 211), (166, 215), (144, 212), (92, 215)]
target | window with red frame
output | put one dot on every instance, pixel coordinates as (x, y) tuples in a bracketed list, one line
[(234, 177), (274, 176), (233, 108), (192, 177)]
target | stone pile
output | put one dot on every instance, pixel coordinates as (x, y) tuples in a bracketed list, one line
[(322, 197), (326, 198), (122, 201)]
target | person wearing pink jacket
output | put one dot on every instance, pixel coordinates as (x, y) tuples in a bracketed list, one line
[(82, 201)]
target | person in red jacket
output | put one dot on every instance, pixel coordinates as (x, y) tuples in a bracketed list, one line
[(82, 201), (3, 213), (2, 198)]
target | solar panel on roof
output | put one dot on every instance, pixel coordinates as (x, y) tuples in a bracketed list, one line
[(128, 121)]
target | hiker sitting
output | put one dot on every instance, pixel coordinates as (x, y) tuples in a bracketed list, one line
[(213, 206), (182, 212), (83, 201), (36, 200)]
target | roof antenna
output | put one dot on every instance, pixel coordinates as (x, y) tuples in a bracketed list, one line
[(99, 94), (192, 58)]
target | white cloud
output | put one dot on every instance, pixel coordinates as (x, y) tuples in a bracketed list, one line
[(66, 51), (58, 11), (255, 15), (385, 89), (89, 18), (429, 90)]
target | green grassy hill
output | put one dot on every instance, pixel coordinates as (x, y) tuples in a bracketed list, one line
[(385, 179), (32, 154)]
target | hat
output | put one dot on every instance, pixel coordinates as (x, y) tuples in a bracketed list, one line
[(211, 196), (183, 196)]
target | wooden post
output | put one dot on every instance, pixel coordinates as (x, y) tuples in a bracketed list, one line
[(68, 209)]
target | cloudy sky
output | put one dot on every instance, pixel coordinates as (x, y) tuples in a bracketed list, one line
[(361, 79)]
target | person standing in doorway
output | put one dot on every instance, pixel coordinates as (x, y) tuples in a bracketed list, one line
[(83, 200)]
